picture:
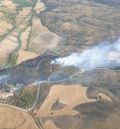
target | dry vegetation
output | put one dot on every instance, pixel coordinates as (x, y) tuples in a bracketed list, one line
[(9, 41), (39, 7), (65, 95), (25, 55), (24, 34), (60, 105), (32, 37), (50, 125), (13, 118), (42, 39), (22, 14), (6, 48), (10, 5), (25, 37)]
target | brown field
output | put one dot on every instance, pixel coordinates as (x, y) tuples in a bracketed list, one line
[(104, 97), (4, 26), (22, 14), (13, 118), (24, 38), (10, 5), (7, 46), (24, 11), (70, 96), (10, 43), (46, 40), (42, 39), (25, 55), (66, 98), (50, 125), (37, 25), (39, 6), (69, 26), (1, 14)]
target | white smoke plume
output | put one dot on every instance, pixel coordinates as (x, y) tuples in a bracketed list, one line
[(103, 55), (3, 77)]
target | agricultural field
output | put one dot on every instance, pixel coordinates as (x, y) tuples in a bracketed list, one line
[(21, 32), (59, 64), (14, 118)]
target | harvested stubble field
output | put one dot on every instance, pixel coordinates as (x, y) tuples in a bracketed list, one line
[(13, 118)]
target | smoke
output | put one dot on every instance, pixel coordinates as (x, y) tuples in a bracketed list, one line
[(102, 55), (3, 78)]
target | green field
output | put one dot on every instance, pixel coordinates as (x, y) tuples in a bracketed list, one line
[(24, 3)]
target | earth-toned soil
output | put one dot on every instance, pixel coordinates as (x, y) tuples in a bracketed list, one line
[(82, 23), (25, 55), (13, 118), (33, 34), (64, 95)]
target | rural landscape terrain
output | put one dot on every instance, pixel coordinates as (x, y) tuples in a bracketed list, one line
[(59, 64)]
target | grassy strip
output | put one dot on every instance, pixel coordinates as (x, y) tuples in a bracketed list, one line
[(24, 3)]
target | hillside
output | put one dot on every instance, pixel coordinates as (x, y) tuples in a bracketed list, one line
[(59, 64), (82, 23)]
